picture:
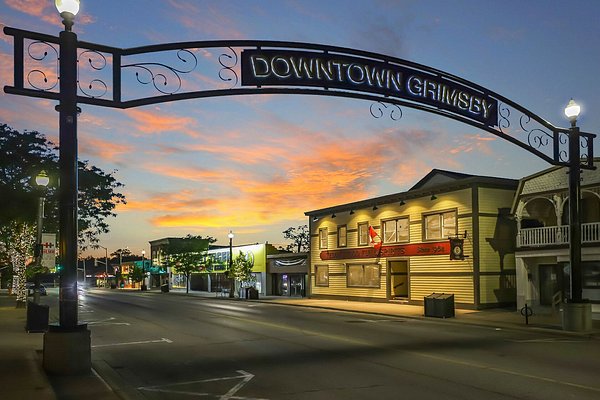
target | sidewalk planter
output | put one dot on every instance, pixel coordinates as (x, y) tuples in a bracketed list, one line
[(37, 317), (439, 305), (164, 288)]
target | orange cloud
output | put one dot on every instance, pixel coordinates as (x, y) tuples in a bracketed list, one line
[(157, 121), (104, 149)]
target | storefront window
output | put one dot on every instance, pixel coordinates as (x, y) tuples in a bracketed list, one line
[(395, 230), (440, 226), (363, 233), (342, 236), (322, 275), (323, 238), (591, 275), (363, 275)]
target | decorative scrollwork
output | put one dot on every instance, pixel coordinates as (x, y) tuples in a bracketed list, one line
[(379, 109), (228, 62), (503, 117), (563, 141), (536, 137), (584, 143), (146, 74), (97, 62), (38, 50)]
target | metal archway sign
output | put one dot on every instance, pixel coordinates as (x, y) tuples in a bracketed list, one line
[(126, 78)]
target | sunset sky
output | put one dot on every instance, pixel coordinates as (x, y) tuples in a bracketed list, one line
[(255, 164)]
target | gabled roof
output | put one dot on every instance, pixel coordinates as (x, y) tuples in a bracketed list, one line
[(435, 182), (437, 177)]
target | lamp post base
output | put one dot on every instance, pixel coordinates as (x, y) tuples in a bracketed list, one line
[(577, 317), (67, 351)]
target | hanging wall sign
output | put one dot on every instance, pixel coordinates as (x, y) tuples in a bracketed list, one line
[(325, 70)]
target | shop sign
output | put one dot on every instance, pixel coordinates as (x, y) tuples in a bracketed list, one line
[(406, 250), (326, 70)]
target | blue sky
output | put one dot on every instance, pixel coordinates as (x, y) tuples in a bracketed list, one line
[(254, 164)]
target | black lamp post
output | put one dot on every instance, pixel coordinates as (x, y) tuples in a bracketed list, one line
[(577, 312), (68, 165), (572, 112), (42, 181), (144, 285), (231, 279), (67, 347)]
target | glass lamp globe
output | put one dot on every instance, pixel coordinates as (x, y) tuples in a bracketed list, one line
[(70, 6), (42, 179), (572, 110), (230, 235)]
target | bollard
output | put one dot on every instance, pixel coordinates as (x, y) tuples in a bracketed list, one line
[(526, 312)]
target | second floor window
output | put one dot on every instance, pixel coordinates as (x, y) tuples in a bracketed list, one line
[(323, 238), (342, 236), (363, 233), (395, 230), (440, 226)]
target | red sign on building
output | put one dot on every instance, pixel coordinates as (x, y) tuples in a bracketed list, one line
[(406, 250)]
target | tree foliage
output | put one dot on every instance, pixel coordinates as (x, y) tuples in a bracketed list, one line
[(241, 268), (186, 255), (299, 237), (24, 155), (136, 274)]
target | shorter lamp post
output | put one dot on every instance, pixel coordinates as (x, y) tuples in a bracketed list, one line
[(42, 181), (231, 279), (105, 264), (144, 285)]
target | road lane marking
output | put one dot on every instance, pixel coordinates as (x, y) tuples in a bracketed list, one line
[(243, 375), (162, 340), (505, 371), (107, 321)]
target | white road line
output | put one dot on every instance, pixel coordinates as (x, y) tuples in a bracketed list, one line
[(162, 340), (244, 376)]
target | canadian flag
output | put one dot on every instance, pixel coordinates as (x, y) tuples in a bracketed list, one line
[(373, 235)]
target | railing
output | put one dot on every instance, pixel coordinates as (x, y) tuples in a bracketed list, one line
[(556, 300), (554, 235)]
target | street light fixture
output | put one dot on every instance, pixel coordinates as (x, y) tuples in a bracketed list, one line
[(105, 264), (231, 280), (577, 312), (42, 181), (144, 285)]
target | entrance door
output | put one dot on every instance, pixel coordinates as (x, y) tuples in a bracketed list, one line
[(296, 285), (398, 271), (550, 283)]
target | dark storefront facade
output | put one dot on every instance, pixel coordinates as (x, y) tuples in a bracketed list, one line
[(287, 274)]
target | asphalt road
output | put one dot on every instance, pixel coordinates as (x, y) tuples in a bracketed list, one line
[(169, 346)]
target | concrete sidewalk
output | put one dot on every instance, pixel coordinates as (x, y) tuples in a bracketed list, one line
[(21, 372), (22, 376)]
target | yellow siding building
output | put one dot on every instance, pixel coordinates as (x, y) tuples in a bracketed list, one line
[(397, 247)]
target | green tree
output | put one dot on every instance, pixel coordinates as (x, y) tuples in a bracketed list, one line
[(186, 255), (136, 274), (299, 237), (241, 270), (24, 155)]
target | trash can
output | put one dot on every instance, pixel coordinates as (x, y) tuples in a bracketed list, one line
[(439, 305), (37, 317), (444, 305), (428, 304), (252, 293), (164, 288)]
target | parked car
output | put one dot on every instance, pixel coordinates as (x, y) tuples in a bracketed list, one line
[(30, 288)]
